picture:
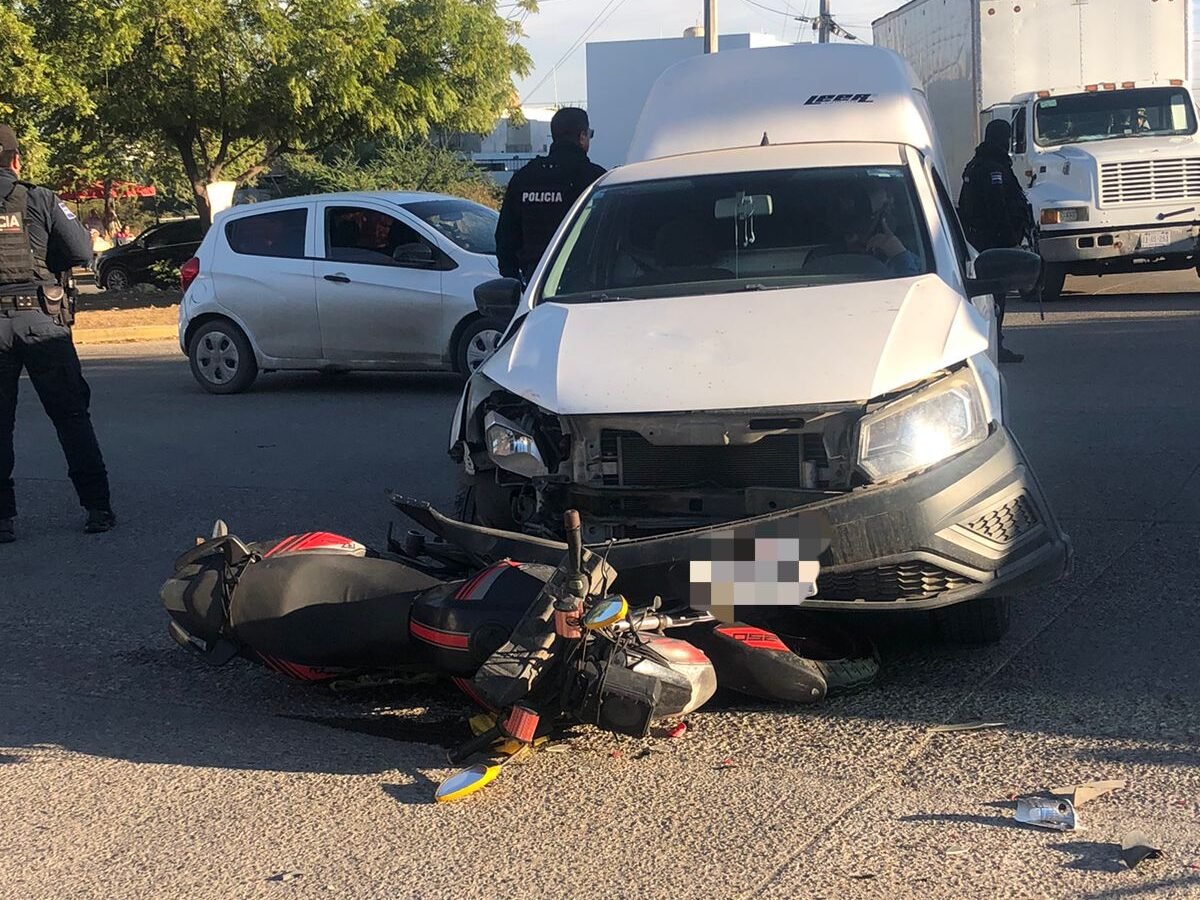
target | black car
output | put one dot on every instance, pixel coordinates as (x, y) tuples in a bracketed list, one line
[(126, 265)]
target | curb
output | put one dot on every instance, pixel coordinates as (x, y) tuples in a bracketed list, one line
[(129, 334)]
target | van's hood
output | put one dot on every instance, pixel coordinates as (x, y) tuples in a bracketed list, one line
[(794, 347)]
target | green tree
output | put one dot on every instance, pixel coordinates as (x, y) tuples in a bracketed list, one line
[(35, 88), (408, 165), (232, 85)]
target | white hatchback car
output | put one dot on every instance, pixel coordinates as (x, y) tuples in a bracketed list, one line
[(337, 282)]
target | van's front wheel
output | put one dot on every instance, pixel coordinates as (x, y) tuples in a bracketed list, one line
[(984, 620)]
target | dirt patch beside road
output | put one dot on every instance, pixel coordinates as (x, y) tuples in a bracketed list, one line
[(118, 316)]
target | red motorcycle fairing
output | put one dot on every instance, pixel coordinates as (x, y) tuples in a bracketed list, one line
[(754, 661), (313, 542)]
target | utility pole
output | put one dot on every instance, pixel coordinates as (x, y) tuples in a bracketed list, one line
[(824, 20), (710, 26)]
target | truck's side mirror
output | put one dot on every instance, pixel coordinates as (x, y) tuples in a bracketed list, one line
[(498, 298), (1005, 269)]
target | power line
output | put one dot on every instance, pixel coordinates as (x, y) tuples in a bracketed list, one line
[(592, 27)]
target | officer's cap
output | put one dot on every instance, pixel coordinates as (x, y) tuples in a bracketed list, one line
[(8, 139)]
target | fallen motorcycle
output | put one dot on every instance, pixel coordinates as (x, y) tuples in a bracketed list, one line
[(528, 642)]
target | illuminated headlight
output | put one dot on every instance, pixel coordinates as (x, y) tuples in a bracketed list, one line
[(1065, 215), (511, 448), (924, 428)]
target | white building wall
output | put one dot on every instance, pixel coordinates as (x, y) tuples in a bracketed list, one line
[(619, 77)]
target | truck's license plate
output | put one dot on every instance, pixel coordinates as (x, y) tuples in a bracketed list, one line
[(1156, 238)]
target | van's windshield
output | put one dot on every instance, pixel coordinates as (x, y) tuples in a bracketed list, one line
[(1098, 116), (741, 231)]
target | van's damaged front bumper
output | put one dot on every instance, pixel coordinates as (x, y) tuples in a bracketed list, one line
[(975, 525)]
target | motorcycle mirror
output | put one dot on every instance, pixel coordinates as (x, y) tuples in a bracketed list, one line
[(465, 782), (606, 612)]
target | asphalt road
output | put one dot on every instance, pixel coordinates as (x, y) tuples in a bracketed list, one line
[(128, 769)]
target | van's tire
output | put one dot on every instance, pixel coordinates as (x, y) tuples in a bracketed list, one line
[(984, 620), (476, 341), (480, 501), (221, 358), (1054, 279)]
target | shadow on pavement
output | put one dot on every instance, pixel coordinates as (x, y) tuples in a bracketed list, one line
[(1091, 856)]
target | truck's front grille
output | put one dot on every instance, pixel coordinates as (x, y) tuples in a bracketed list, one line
[(1149, 180), (774, 461)]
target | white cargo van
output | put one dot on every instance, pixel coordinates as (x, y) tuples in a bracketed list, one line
[(771, 314), (1104, 123)]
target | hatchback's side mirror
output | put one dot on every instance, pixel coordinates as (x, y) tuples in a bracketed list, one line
[(498, 298), (1005, 269), (415, 254)]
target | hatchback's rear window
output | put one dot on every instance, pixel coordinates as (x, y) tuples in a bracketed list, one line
[(269, 234)]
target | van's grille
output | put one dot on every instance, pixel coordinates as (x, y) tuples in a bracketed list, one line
[(1149, 180), (1007, 523), (905, 581), (773, 461)]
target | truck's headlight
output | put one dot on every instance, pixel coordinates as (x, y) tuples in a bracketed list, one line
[(511, 448), (1065, 215), (921, 429)]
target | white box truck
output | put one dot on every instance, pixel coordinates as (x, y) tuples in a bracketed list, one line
[(1104, 123)]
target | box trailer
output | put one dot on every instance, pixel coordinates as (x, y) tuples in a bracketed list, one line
[(1104, 123)]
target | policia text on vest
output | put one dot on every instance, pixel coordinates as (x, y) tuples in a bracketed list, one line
[(539, 196), (40, 236)]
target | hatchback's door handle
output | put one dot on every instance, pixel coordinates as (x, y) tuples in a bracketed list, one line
[(339, 278)]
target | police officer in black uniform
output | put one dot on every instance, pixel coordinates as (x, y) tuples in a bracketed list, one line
[(992, 206), (40, 236), (539, 195)]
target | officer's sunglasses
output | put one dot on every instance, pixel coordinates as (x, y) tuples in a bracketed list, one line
[(591, 133)]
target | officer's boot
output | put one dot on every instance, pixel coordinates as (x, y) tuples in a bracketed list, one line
[(8, 533), (99, 520)]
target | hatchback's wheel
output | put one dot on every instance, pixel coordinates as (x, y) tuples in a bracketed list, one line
[(221, 357), (476, 344), (982, 621), (116, 279)]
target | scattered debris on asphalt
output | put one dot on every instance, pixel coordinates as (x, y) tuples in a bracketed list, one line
[(678, 730), (957, 851), (726, 763), (1079, 794), (285, 876), (965, 726), (1056, 814), (1136, 847), (558, 748), (643, 753)]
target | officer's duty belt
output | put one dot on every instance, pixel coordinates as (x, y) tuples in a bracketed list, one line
[(21, 302)]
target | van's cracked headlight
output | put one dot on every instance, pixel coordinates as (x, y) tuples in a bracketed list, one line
[(511, 448), (923, 428)]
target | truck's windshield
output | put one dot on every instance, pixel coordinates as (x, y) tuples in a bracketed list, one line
[(1137, 112), (741, 231)]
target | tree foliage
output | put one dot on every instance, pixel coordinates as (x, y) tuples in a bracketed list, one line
[(408, 165), (230, 86)]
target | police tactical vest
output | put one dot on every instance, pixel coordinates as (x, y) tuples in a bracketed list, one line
[(17, 265)]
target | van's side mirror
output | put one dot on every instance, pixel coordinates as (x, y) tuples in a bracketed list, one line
[(498, 298), (1005, 269)]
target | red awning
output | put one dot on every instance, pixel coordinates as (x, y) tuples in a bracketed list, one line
[(118, 189)]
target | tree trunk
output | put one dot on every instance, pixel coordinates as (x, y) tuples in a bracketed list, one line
[(203, 207), (108, 202)]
